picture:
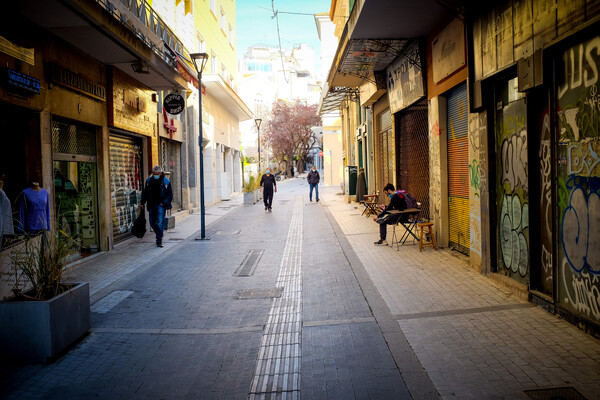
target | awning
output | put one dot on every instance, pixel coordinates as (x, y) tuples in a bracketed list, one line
[(378, 31), (333, 97)]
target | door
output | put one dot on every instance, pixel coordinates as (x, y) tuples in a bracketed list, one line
[(125, 183), (512, 198), (457, 126)]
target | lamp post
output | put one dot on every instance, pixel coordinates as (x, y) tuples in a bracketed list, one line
[(257, 121), (200, 60)]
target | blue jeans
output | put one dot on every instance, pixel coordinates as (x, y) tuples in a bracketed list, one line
[(316, 187), (156, 215)]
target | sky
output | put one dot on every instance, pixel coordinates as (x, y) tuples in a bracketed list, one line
[(255, 27)]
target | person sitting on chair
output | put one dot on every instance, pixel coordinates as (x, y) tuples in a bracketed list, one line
[(397, 202)]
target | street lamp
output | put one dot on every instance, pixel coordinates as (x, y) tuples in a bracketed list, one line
[(257, 121), (200, 60)]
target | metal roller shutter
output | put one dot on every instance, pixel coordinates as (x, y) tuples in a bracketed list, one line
[(125, 183), (458, 169)]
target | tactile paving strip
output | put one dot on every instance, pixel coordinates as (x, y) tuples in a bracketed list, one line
[(277, 373)]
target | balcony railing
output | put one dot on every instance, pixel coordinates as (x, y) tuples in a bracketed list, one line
[(148, 26)]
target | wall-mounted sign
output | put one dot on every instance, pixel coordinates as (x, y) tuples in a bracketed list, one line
[(448, 50), (18, 52), (185, 74), (174, 103), (130, 110), (74, 81), (405, 79), (22, 81), (170, 128)]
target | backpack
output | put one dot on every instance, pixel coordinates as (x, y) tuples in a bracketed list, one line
[(411, 202)]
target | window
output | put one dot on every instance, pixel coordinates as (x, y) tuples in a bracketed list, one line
[(200, 43), (223, 20), (230, 35), (224, 72), (213, 6), (213, 63), (257, 66)]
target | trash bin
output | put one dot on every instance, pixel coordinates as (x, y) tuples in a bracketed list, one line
[(350, 174)]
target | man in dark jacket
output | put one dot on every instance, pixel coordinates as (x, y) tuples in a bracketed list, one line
[(313, 179), (397, 202), (268, 184), (158, 194)]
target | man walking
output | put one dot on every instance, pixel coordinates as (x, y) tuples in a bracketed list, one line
[(313, 179), (268, 185), (158, 194)]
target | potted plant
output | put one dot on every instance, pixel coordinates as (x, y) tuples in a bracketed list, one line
[(249, 190), (46, 315)]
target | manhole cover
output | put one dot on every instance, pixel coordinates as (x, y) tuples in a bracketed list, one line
[(227, 232), (564, 393), (249, 264), (246, 294)]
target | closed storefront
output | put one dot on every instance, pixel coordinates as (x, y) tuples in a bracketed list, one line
[(512, 182), (75, 183), (577, 206), (412, 154), (126, 183), (170, 160), (457, 128)]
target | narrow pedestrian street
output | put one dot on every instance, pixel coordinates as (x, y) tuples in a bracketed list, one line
[(299, 304)]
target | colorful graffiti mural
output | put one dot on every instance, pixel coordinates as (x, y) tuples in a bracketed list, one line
[(513, 192), (578, 191)]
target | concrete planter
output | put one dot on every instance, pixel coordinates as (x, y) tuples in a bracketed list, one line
[(249, 198), (38, 331)]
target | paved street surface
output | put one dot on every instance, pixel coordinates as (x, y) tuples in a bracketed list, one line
[(299, 304)]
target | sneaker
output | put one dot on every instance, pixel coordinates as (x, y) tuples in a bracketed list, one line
[(270, 209), (266, 208), (317, 200), (311, 200), (159, 244), (380, 241)]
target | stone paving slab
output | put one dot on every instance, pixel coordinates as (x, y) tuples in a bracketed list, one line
[(475, 339)]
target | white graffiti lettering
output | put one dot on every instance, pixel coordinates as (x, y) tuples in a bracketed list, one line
[(514, 159), (582, 291), (514, 219), (582, 159), (580, 66)]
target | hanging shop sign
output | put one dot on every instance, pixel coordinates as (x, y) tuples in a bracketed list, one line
[(405, 79), (174, 103), (76, 82), (170, 127), (21, 81), (448, 50), (186, 74)]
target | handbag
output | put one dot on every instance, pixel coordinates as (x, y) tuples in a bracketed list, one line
[(139, 225)]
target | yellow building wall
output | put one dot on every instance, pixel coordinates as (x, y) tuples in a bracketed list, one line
[(216, 40)]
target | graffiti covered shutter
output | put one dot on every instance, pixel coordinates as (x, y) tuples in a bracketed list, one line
[(125, 183), (458, 169)]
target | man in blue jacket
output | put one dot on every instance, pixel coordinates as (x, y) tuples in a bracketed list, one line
[(158, 194)]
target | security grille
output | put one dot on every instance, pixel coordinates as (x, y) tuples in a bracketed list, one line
[(413, 154), (68, 138)]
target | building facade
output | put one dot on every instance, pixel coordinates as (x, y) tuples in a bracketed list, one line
[(488, 117)]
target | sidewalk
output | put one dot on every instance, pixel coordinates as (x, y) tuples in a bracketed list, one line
[(300, 303), (105, 268), (474, 338)]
